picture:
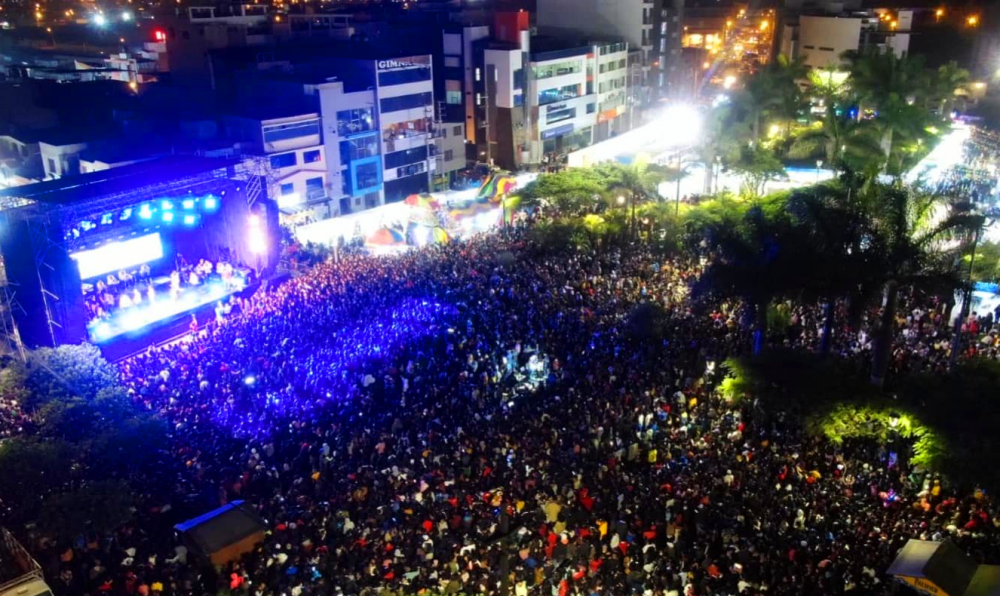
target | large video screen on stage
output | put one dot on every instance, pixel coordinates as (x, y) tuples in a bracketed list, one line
[(116, 256)]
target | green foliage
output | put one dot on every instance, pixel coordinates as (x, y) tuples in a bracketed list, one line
[(570, 192), (949, 421), (88, 437), (32, 469), (97, 506), (986, 267), (560, 236), (57, 373), (779, 317), (757, 166)]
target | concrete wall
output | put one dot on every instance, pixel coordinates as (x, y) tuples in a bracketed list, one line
[(823, 39)]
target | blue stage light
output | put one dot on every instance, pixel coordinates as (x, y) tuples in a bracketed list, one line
[(211, 202), (188, 203), (145, 212), (189, 220), (107, 219), (126, 213), (168, 217), (167, 205)]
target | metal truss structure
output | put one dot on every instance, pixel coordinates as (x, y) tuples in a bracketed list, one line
[(43, 218)]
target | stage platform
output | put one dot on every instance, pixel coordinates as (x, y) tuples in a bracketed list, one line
[(172, 328), (136, 318)]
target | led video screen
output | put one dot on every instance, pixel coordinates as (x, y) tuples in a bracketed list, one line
[(116, 256)]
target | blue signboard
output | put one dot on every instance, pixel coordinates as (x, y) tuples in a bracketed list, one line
[(558, 131)]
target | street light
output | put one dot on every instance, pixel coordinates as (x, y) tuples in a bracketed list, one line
[(621, 200), (973, 20)]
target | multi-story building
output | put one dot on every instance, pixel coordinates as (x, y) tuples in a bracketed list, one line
[(379, 126), (821, 39), (547, 97), (461, 60), (285, 147), (646, 25)]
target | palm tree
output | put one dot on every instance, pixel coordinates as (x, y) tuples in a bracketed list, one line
[(637, 183), (758, 260), (890, 85), (842, 264), (718, 143), (839, 137), (772, 91), (908, 243), (944, 82)]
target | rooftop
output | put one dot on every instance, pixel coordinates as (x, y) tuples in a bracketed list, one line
[(95, 185)]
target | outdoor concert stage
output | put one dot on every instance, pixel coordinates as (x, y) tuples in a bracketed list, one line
[(120, 254)]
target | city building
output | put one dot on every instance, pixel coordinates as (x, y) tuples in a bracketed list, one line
[(20, 159), (383, 117), (284, 146), (462, 47), (821, 39), (548, 96), (651, 26)]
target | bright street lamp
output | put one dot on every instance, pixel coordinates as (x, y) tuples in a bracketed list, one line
[(681, 124), (621, 200)]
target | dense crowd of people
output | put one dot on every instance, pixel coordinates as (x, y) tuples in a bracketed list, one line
[(379, 415)]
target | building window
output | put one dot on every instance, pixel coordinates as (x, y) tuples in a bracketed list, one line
[(367, 176), (287, 189), (410, 128), (557, 69), (479, 74), (453, 97), (558, 94), (284, 132), (408, 156), (400, 77), (52, 166), (590, 108), (284, 160), (411, 170), (311, 156), (351, 122), (553, 116), (457, 131), (314, 188), (406, 102), (451, 62), (358, 148), (449, 155)]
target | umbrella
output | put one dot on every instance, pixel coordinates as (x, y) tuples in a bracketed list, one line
[(424, 201), (385, 237)]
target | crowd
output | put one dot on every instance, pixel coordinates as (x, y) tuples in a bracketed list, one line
[(373, 412)]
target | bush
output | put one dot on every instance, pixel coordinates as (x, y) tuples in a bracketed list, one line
[(949, 420)]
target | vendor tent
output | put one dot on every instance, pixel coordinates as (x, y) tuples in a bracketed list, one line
[(224, 534), (942, 569)]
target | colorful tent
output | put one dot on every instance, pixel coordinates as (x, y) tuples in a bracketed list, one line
[(386, 237), (423, 201), (496, 186)]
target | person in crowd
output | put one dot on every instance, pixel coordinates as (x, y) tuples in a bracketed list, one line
[(449, 421)]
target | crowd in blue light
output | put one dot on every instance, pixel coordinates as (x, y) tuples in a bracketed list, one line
[(477, 418)]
